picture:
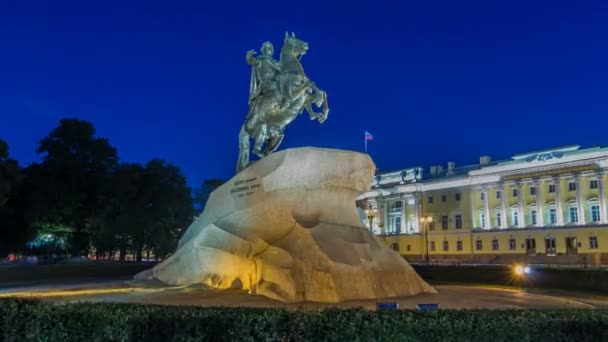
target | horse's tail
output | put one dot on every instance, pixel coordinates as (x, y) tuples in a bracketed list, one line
[(243, 149)]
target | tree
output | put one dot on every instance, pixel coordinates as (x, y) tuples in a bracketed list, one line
[(201, 195), (75, 165), (144, 209), (12, 231), (9, 173)]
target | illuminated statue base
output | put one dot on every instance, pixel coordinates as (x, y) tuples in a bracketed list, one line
[(287, 228)]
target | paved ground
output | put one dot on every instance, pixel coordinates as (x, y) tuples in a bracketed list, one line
[(449, 297)]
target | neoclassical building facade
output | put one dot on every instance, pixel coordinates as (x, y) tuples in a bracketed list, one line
[(546, 207)]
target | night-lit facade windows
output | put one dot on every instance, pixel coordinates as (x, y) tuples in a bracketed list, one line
[(479, 245), (458, 221), (593, 184), (446, 245), (432, 247), (532, 191), (551, 188), (572, 186), (573, 214), (515, 192), (533, 217), (515, 216), (495, 244), (444, 198), (430, 199), (594, 209), (444, 222), (512, 244), (552, 216), (498, 219), (457, 196), (593, 242), (458, 245)]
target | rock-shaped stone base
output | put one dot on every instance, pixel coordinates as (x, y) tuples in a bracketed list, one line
[(287, 228)]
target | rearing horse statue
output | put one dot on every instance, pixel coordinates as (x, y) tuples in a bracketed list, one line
[(279, 92)]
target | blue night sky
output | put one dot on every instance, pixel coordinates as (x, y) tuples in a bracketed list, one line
[(434, 81)]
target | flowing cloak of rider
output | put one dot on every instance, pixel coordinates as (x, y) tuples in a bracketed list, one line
[(264, 70)]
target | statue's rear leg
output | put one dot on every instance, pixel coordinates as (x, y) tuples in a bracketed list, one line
[(244, 147), (276, 137)]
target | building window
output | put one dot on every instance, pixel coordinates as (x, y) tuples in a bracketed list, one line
[(459, 245), (457, 196), (432, 245), (482, 219), (482, 196), (444, 198), (396, 206), (458, 221), (498, 219), (498, 194), (593, 242), (478, 245), (595, 213), (395, 247), (495, 244), (533, 217), (571, 186), (430, 199), (396, 224), (446, 245), (552, 216), (573, 214), (512, 244), (515, 216), (431, 225), (551, 188), (408, 248), (444, 222), (533, 190), (515, 192), (593, 184)]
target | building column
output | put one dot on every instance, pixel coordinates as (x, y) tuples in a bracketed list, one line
[(503, 205), (558, 201), (486, 203), (473, 209), (580, 200), (602, 197), (540, 215), (382, 216), (403, 217), (520, 205)]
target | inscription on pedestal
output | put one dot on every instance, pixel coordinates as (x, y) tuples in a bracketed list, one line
[(245, 187)]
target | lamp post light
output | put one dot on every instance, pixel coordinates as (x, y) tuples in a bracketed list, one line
[(426, 220)]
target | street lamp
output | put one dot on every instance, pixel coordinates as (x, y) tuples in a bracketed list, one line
[(426, 220)]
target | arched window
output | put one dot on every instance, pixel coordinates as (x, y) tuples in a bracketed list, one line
[(515, 216), (573, 212), (533, 214), (594, 210)]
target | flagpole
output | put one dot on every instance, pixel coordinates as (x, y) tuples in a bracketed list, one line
[(365, 138)]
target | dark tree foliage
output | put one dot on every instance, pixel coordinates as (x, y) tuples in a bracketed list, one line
[(201, 194), (12, 232), (75, 165), (143, 208)]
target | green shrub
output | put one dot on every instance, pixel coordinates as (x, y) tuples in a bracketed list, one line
[(37, 321)]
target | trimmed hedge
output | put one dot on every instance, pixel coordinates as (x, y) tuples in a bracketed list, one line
[(37, 321)]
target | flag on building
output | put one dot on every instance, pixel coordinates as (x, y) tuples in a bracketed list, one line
[(368, 136)]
